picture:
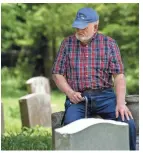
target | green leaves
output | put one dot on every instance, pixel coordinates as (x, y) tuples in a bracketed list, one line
[(24, 26), (37, 138)]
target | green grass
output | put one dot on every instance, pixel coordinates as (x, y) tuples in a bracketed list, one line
[(12, 111), (57, 101), (17, 138)]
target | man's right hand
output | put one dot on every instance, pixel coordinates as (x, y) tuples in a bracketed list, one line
[(75, 97), (61, 82)]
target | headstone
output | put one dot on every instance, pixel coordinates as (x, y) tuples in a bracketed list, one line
[(57, 118), (35, 110), (38, 84), (56, 123), (133, 105), (137, 143), (93, 134), (2, 119)]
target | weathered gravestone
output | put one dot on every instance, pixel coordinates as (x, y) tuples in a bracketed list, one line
[(93, 134), (38, 84), (2, 119), (35, 110), (137, 143), (56, 123), (133, 105)]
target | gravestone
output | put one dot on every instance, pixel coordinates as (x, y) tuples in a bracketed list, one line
[(2, 119), (133, 105), (92, 134), (38, 84), (35, 110), (56, 123), (137, 143)]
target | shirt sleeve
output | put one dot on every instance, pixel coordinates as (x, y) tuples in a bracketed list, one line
[(115, 62), (59, 66)]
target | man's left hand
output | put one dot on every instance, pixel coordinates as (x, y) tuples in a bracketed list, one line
[(124, 112)]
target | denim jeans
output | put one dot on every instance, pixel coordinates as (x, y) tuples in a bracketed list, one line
[(101, 103)]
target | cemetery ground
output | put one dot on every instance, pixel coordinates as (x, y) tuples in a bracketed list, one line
[(17, 138)]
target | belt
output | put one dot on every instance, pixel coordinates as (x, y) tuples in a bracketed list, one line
[(95, 90)]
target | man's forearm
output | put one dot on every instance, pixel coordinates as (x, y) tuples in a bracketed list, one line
[(120, 87), (62, 83)]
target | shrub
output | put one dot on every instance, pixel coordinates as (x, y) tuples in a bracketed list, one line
[(37, 138)]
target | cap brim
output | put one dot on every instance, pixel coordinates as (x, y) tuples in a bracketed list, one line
[(79, 24)]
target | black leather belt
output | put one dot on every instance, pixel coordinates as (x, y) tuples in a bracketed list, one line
[(95, 90)]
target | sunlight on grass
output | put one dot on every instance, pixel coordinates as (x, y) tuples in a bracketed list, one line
[(12, 111), (57, 101)]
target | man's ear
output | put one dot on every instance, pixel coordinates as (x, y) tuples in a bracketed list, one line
[(96, 27)]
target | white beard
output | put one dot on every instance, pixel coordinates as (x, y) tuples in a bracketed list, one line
[(83, 38)]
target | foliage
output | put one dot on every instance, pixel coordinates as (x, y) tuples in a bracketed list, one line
[(13, 80), (37, 138), (38, 30)]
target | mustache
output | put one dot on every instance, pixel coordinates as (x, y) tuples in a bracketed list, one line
[(81, 34)]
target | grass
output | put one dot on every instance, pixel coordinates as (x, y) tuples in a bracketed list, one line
[(12, 110), (57, 101), (17, 138)]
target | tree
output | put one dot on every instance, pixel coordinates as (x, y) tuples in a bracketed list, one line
[(36, 31)]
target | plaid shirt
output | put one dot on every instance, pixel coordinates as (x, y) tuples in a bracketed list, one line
[(90, 66)]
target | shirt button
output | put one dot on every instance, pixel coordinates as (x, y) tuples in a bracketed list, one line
[(86, 55)]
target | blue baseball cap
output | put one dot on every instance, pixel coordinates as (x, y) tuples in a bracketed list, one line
[(84, 16)]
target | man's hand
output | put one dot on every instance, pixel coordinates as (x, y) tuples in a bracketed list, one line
[(75, 97), (124, 111)]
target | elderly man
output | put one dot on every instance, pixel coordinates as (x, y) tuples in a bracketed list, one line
[(85, 65)]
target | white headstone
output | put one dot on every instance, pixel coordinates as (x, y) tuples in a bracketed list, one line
[(93, 134), (38, 84), (35, 110)]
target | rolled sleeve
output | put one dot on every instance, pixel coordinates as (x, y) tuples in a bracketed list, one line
[(59, 66), (115, 62)]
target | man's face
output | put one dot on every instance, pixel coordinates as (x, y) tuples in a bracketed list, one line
[(86, 34)]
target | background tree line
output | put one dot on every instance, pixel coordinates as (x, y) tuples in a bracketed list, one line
[(31, 35)]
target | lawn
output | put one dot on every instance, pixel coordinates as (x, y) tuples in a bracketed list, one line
[(12, 110), (18, 138)]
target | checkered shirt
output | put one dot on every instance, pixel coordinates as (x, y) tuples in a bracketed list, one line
[(90, 66)]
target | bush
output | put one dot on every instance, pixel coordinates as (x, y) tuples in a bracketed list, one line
[(37, 138), (132, 80), (13, 82)]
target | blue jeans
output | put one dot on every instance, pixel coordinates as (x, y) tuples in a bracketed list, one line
[(101, 103)]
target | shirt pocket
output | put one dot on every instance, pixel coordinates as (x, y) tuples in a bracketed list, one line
[(101, 63)]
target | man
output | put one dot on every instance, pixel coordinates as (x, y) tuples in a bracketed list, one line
[(85, 65)]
